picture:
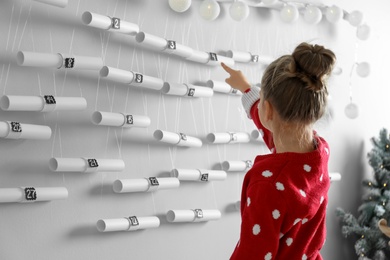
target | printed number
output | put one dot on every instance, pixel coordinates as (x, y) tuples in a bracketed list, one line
[(16, 127), (129, 119), (204, 177), (198, 213), (255, 58), (69, 63), (213, 56), (191, 92), (234, 91), (183, 137), (116, 23), (49, 99), (139, 78), (134, 221), (30, 193), (233, 137), (153, 181), (249, 164), (172, 45), (92, 163)]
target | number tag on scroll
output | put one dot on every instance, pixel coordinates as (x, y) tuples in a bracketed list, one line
[(16, 127), (134, 221), (233, 137), (183, 136), (204, 177), (30, 193), (249, 164), (198, 213), (213, 56), (153, 181), (69, 63), (116, 23), (191, 92), (234, 91), (171, 45), (255, 58), (129, 119), (92, 163), (139, 78), (49, 99)]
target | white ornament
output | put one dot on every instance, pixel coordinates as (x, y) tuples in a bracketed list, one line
[(355, 18), (312, 15), (180, 5), (363, 69), (289, 14), (363, 32), (239, 11), (269, 2), (334, 14), (351, 111), (209, 10)]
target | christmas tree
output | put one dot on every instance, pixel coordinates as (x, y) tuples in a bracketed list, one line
[(370, 227)]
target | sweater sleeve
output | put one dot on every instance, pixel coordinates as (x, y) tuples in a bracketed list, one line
[(262, 218), (250, 101)]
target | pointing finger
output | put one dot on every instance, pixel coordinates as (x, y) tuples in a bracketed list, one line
[(227, 68)]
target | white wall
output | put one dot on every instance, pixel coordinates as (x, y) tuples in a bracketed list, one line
[(66, 229)]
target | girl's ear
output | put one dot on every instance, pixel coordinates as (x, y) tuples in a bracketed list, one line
[(269, 111)]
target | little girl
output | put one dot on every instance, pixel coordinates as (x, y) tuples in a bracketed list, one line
[(284, 195)]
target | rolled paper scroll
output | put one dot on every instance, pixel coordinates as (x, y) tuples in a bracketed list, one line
[(177, 139), (117, 75), (32, 194), (58, 60), (119, 119), (239, 56), (107, 23), (334, 176), (131, 223), (178, 49), (58, 3), (151, 41), (144, 81), (199, 175), (222, 87), (257, 135), (85, 165), (199, 56), (237, 205), (175, 89), (216, 59), (198, 91), (196, 215), (16, 130), (45, 103), (145, 184), (235, 166), (226, 138)]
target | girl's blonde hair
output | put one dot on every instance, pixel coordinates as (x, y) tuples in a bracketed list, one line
[(296, 84)]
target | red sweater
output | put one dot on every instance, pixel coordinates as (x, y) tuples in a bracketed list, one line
[(283, 203)]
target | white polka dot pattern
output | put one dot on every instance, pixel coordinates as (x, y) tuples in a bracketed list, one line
[(267, 174), (248, 202), (326, 150), (297, 220), (304, 257), (304, 220), (275, 214), (268, 256), (256, 229), (322, 177), (279, 186), (307, 168), (281, 235), (302, 193), (322, 199), (289, 241)]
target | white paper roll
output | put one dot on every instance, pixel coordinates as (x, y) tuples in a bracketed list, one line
[(36, 59), (222, 87), (119, 119), (144, 185), (107, 23), (179, 49), (239, 56), (198, 91), (265, 60), (235, 166), (237, 205), (85, 165), (334, 176), (190, 215), (59, 3), (177, 139), (38, 103), (175, 89), (228, 61), (16, 130), (81, 62), (144, 81), (226, 138), (257, 135), (198, 175), (151, 41), (124, 224), (199, 56), (32, 194), (117, 75)]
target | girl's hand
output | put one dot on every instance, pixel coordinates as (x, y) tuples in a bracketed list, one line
[(236, 80)]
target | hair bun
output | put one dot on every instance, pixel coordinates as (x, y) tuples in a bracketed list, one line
[(313, 61)]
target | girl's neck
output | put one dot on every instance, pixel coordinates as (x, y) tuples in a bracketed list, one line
[(294, 139)]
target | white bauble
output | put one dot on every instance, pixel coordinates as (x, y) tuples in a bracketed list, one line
[(209, 10), (239, 11), (312, 15), (289, 14)]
